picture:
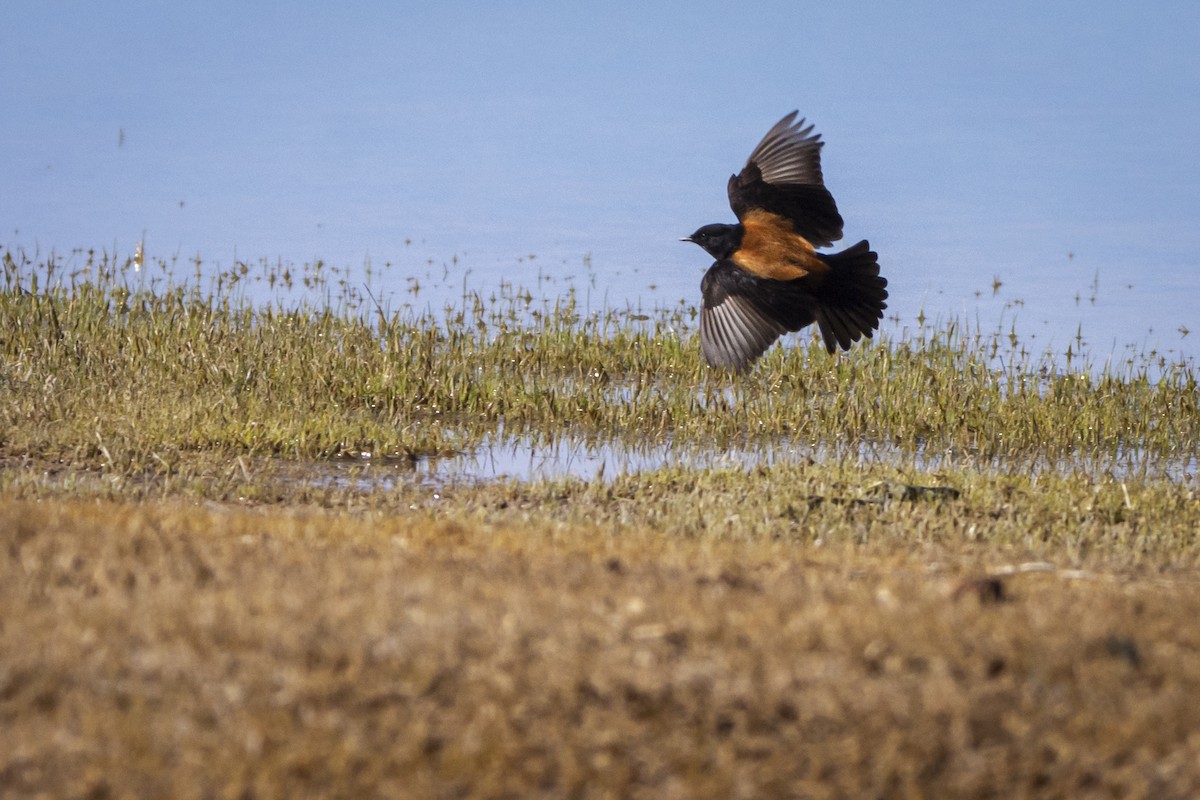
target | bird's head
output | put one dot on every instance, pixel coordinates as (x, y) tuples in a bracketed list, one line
[(719, 241)]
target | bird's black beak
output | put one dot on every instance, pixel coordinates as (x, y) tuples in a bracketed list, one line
[(686, 239)]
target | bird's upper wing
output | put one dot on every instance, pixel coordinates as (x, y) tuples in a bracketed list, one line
[(783, 177)]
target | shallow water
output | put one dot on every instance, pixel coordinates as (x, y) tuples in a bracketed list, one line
[(527, 459)]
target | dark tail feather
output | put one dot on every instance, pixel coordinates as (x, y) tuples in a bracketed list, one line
[(850, 302)]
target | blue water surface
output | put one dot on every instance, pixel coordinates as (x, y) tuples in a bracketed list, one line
[(1030, 166)]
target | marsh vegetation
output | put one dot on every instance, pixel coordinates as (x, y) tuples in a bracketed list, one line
[(241, 555)]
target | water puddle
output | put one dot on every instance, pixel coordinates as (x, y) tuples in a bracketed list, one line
[(526, 459)]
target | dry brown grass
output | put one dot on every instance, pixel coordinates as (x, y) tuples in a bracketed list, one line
[(175, 650)]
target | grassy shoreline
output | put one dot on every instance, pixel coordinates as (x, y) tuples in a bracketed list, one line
[(96, 374)]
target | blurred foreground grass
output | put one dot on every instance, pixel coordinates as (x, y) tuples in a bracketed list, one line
[(161, 649)]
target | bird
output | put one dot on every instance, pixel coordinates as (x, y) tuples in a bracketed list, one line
[(768, 278)]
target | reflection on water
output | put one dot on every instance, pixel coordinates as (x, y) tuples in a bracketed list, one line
[(526, 459)]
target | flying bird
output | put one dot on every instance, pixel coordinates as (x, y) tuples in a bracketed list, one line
[(768, 278)]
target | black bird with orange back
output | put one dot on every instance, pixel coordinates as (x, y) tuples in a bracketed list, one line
[(768, 278)]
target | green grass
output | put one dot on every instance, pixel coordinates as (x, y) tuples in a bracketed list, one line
[(101, 374), (178, 390)]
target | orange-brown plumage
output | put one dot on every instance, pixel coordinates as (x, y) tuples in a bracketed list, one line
[(772, 249)]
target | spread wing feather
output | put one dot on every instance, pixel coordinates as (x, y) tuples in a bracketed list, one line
[(783, 176)]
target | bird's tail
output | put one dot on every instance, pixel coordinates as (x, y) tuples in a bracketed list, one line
[(850, 301)]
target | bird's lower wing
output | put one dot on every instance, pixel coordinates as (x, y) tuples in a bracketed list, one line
[(734, 332)]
